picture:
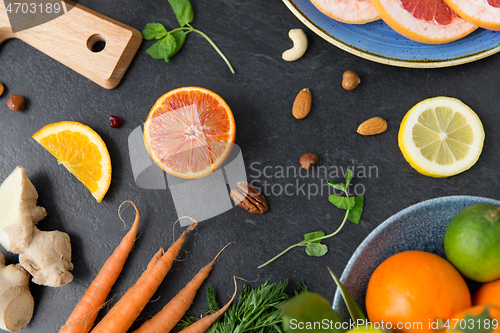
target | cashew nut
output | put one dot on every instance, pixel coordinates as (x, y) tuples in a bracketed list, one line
[(299, 40)]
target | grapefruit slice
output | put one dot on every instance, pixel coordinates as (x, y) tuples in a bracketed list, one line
[(424, 21), (484, 13), (189, 132), (348, 11)]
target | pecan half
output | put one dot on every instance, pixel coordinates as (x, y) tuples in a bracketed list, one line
[(247, 197)]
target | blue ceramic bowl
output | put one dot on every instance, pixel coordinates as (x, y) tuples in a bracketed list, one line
[(376, 41), (418, 227)]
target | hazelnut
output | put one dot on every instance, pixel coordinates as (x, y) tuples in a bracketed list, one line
[(1, 89), (308, 161), (350, 80), (16, 102)]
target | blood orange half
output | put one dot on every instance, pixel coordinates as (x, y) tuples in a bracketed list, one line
[(189, 132), (348, 11), (424, 21), (484, 13)]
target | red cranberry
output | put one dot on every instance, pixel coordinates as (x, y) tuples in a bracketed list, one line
[(114, 121)]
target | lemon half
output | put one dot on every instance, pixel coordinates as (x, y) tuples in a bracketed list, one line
[(441, 137)]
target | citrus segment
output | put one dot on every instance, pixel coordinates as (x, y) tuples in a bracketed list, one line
[(189, 132), (441, 137), (416, 288), (424, 21), (81, 150), (348, 11), (485, 14)]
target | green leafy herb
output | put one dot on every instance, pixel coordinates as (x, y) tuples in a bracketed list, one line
[(308, 308), (352, 306), (355, 212), (341, 202), (183, 11), (353, 207), (163, 49), (481, 323), (316, 249), (313, 236), (302, 288), (170, 42), (213, 305), (154, 31), (257, 310)]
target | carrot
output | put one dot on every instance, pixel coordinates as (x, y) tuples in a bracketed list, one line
[(123, 314), (83, 316), (151, 264), (165, 320), (202, 325)]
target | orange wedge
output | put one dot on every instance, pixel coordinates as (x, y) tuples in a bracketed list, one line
[(348, 11), (484, 13), (424, 21), (189, 132), (81, 150)]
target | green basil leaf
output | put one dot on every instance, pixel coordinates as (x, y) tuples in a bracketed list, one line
[(180, 37), (341, 202), (163, 49), (157, 50), (336, 186), (349, 178), (316, 249), (352, 306), (305, 309), (314, 235), (183, 11), (356, 211), (154, 31)]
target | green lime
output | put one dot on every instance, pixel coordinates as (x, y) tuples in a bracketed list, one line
[(472, 242)]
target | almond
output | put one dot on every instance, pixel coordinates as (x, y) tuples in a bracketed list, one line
[(302, 104), (372, 126)]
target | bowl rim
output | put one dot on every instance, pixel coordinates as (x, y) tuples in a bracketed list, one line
[(338, 300), (386, 60)]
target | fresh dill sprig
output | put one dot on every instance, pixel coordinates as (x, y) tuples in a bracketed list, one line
[(255, 312)]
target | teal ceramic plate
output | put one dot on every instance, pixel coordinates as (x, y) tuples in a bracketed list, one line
[(376, 41), (418, 227)]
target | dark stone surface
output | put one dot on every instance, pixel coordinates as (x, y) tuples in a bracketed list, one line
[(252, 34)]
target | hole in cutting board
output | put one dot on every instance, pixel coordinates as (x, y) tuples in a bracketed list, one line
[(96, 43)]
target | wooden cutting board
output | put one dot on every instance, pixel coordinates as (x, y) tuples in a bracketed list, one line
[(72, 38)]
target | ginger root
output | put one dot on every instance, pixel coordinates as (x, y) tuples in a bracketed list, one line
[(44, 254), (48, 258), (18, 211), (16, 302)]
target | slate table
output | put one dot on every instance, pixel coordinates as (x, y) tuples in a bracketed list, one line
[(252, 34)]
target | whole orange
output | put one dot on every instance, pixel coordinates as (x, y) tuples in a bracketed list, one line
[(487, 294), (413, 289), (483, 318)]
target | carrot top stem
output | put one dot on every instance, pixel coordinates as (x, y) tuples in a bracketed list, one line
[(137, 216), (127, 309), (218, 254)]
